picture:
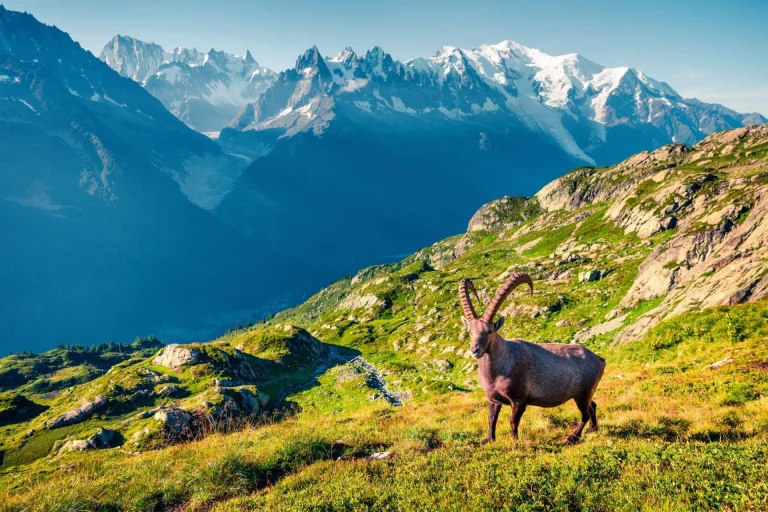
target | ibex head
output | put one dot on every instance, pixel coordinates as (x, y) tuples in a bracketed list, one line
[(482, 329)]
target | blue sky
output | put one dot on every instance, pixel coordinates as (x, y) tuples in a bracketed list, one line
[(713, 50)]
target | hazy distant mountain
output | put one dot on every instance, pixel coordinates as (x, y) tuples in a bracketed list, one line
[(203, 89), (97, 239)]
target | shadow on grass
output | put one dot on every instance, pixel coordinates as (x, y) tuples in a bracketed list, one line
[(673, 429), (235, 475), (20, 409)]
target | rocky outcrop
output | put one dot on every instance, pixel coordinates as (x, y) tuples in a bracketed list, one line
[(716, 205), (364, 301), (84, 411), (174, 422), (502, 214), (596, 330), (99, 439), (175, 356), (170, 390), (590, 275), (76, 445), (587, 185)]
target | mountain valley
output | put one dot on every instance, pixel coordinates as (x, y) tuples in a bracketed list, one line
[(366, 394)]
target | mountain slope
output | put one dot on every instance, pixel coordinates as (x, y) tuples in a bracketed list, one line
[(203, 89), (682, 392), (348, 137), (98, 240)]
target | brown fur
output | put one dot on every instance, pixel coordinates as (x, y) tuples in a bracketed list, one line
[(518, 373)]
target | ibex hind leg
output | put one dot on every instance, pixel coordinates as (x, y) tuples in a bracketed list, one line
[(585, 407), (592, 418)]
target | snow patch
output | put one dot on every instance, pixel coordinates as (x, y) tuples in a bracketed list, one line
[(170, 73), (306, 110), (363, 105), (30, 107), (399, 106), (285, 112), (354, 84)]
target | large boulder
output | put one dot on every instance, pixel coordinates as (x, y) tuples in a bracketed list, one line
[(175, 356), (84, 411), (99, 439), (589, 275), (175, 422), (170, 390), (76, 445), (102, 437)]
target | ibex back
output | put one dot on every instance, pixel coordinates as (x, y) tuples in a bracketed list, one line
[(518, 373)]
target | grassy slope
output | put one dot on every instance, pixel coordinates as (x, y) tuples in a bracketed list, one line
[(675, 434)]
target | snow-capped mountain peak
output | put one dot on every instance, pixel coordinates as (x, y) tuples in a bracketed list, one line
[(204, 89), (249, 60), (567, 98)]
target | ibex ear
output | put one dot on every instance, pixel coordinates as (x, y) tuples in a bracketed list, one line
[(499, 323), (465, 322)]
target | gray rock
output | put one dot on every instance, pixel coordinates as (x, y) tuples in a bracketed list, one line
[(102, 437), (140, 435), (590, 332), (76, 445), (223, 383), (175, 356), (590, 275), (175, 421), (84, 411), (169, 390)]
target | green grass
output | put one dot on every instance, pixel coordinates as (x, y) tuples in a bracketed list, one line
[(39, 446), (695, 436), (677, 433)]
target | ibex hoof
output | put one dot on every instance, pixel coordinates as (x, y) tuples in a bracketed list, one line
[(486, 441), (570, 441)]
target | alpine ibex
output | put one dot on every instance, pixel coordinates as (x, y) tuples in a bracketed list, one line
[(518, 373)]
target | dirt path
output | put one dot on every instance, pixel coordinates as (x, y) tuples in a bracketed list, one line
[(375, 380)]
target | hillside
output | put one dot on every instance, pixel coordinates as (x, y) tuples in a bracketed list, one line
[(104, 221), (366, 396)]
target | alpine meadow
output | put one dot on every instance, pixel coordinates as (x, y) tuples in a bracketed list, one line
[(490, 279)]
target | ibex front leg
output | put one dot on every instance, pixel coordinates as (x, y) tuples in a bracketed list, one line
[(493, 415), (518, 408)]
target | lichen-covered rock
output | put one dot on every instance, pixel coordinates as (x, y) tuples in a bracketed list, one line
[(175, 422), (84, 411), (504, 213), (76, 445), (590, 332), (175, 356), (99, 439), (356, 301), (590, 275), (102, 437), (170, 390)]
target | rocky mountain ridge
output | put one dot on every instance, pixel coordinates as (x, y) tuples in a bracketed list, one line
[(572, 100), (203, 89)]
